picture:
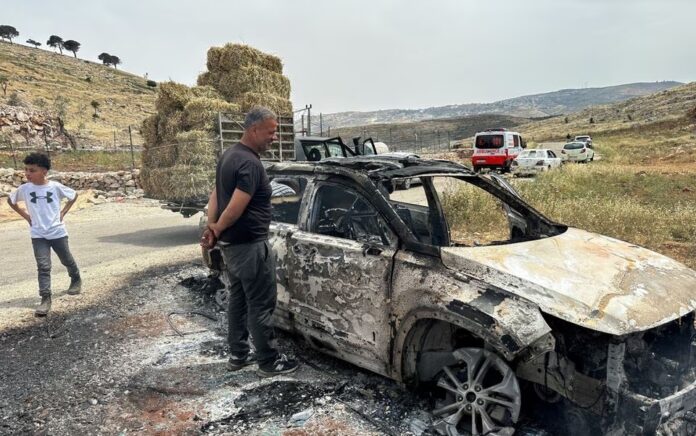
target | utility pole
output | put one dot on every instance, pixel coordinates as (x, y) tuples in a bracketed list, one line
[(309, 119), (304, 132), (321, 124)]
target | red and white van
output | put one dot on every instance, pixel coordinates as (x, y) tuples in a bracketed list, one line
[(496, 149)]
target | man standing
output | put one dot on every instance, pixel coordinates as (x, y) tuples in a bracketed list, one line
[(239, 215)]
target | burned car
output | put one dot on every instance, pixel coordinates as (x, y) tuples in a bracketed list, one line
[(459, 287)]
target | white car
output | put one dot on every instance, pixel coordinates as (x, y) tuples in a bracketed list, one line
[(577, 152), (535, 161)]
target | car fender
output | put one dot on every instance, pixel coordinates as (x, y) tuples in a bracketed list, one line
[(509, 325)]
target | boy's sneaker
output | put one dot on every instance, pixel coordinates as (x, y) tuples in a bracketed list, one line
[(44, 307), (282, 365), (75, 286), (235, 363)]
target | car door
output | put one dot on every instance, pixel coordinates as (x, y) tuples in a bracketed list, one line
[(339, 276)]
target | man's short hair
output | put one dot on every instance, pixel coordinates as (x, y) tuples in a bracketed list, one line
[(258, 114), (38, 159)]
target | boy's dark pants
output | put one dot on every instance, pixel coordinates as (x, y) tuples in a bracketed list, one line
[(252, 299), (42, 253)]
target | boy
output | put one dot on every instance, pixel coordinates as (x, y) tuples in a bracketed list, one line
[(42, 201)]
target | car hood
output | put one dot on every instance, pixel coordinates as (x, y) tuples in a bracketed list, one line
[(588, 279)]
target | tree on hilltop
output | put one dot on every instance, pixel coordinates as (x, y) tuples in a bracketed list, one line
[(34, 43), (108, 59), (55, 41), (105, 58), (72, 45), (8, 32)]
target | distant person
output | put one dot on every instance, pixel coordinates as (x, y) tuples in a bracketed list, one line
[(42, 199), (568, 137), (239, 216)]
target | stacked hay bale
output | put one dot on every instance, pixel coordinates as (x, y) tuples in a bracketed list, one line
[(180, 139)]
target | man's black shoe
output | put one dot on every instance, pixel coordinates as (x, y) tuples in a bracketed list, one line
[(282, 365), (235, 364)]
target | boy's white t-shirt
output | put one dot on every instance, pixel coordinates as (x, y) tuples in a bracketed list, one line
[(43, 204)]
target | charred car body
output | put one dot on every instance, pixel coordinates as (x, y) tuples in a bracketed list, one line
[(602, 327)]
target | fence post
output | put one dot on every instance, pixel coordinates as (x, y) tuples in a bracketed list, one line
[(130, 135), (14, 157)]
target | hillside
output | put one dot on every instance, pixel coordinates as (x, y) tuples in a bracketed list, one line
[(528, 106), (661, 126), (433, 134), (46, 81)]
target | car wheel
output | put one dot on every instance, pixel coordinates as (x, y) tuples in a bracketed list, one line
[(548, 168), (480, 395)]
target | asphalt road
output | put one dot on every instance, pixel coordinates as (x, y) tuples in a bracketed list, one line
[(110, 242)]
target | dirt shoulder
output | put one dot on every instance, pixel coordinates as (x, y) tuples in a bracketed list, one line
[(118, 367)]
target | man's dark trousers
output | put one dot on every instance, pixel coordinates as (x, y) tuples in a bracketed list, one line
[(252, 299)]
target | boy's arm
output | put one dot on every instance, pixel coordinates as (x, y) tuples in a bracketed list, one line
[(19, 210), (67, 207)]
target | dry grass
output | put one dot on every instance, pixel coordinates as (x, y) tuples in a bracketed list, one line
[(653, 207), (44, 78)]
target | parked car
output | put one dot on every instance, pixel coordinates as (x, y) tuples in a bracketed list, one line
[(471, 303), (535, 161), (496, 149), (577, 152), (584, 138)]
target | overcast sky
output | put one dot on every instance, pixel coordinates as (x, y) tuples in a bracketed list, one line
[(384, 54)]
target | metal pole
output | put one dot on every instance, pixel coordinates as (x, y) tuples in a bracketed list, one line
[(390, 135), (329, 134), (309, 119), (304, 132), (321, 124), (130, 135), (14, 158)]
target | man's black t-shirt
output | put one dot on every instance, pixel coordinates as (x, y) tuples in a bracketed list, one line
[(240, 168)]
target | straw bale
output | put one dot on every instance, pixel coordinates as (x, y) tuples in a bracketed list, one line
[(251, 79), (201, 112), (148, 130), (205, 79), (171, 124), (196, 148), (172, 97), (158, 155), (178, 183), (280, 106), (232, 57), (206, 91)]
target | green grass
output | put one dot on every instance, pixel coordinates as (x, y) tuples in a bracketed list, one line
[(88, 161), (652, 208)]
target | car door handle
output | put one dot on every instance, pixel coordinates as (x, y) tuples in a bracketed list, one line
[(371, 250)]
